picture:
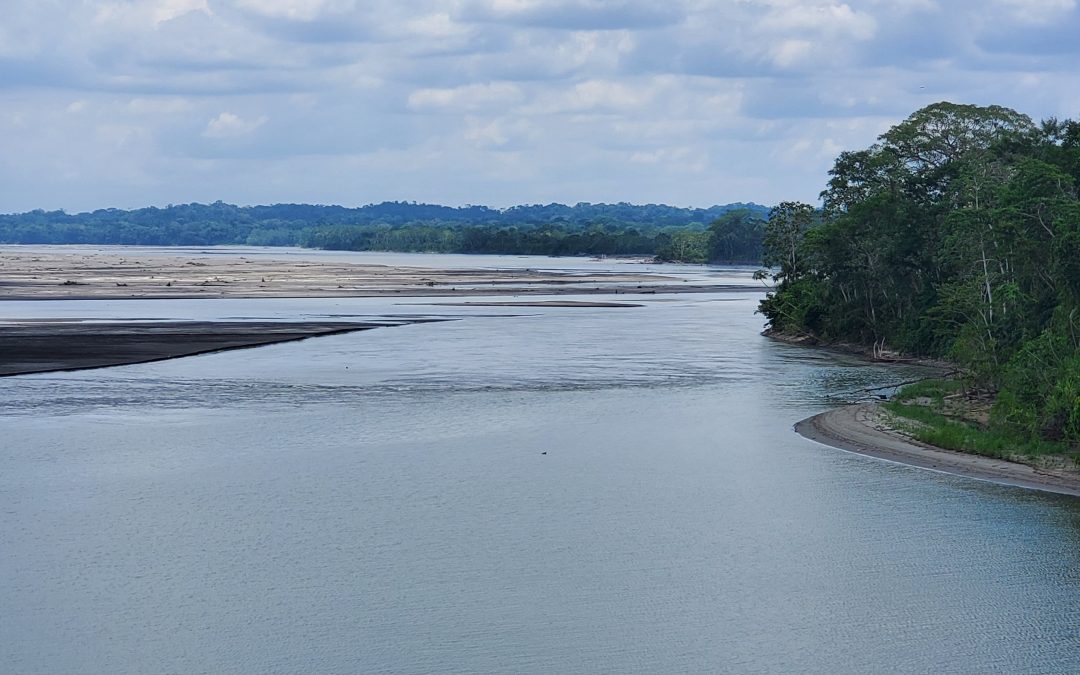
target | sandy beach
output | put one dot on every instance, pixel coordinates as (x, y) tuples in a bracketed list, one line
[(866, 429), (34, 275)]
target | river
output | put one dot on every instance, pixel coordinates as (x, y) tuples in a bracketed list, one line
[(539, 490)]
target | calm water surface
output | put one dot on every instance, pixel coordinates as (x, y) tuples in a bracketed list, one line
[(380, 502)]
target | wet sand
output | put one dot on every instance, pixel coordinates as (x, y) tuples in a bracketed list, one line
[(47, 346), (28, 346), (535, 303), (85, 276), (865, 429)]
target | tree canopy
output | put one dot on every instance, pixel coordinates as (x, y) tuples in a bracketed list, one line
[(957, 235), (728, 233)]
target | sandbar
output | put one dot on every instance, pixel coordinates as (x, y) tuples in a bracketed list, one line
[(48, 346), (36, 275), (866, 429), (29, 346), (536, 303)]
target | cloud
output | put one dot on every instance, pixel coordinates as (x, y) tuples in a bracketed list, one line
[(594, 96), (828, 19), (1037, 11), (297, 10), (228, 125), (501, 132), (574, 14), (1033, 40), (159, 105), (496, 101), (469, 97), (682, 158)]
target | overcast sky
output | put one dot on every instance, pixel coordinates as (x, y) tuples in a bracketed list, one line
[(688, 102)]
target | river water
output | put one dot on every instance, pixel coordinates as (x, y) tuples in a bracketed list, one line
[(555, 490)]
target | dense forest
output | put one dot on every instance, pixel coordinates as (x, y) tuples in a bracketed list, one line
[(729, 233), (956, 235)]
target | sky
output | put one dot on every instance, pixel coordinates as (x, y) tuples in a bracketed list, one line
[(129, 103)]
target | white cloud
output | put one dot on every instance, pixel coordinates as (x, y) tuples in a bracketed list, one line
[(1037, 11), (825, 18), (143, 13), (301, 10), (227, 125), (689, 101), (160, 105), (167, 10), (575, 14), (435, 25), (684, 158), (469, 97), (606, 94), (594, 95), (498, 133)]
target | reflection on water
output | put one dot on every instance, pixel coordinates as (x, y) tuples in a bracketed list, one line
[(380, 502)]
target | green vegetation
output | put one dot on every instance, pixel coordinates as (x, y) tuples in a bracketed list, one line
[(957, 236), (940, 413), (734, 234)]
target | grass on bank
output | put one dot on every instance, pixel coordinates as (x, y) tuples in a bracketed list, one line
[(939, 414)]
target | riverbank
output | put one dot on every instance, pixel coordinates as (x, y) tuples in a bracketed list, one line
[(876, 353), (49, 346), (34, 346), (35, 275), (869, 430)]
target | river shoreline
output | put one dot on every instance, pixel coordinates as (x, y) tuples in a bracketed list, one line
[(866, 430), (30, 275), (856, 349), (29, 345), (53, 346)]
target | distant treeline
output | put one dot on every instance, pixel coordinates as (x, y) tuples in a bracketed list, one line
[(729, 233)]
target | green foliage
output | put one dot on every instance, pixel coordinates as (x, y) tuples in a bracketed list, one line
[(787, 227), (737, 237), (551, 229), (938, 430), (685, 246), (934, 390), (798, 306), (938, 136), (1040, 393), (956, 235)]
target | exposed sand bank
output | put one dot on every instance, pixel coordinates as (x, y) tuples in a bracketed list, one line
[(46, 346), (81, 275), (29, 346), (535, 303), (865, 429)]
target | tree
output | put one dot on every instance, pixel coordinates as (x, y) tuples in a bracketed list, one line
[(736, 236), (685, 246), (788, 224)]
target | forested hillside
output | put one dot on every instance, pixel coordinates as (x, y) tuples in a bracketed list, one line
[(956, 235), (730, 233)]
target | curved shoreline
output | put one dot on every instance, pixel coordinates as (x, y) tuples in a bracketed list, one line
[(861, 429), (49, 347)]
